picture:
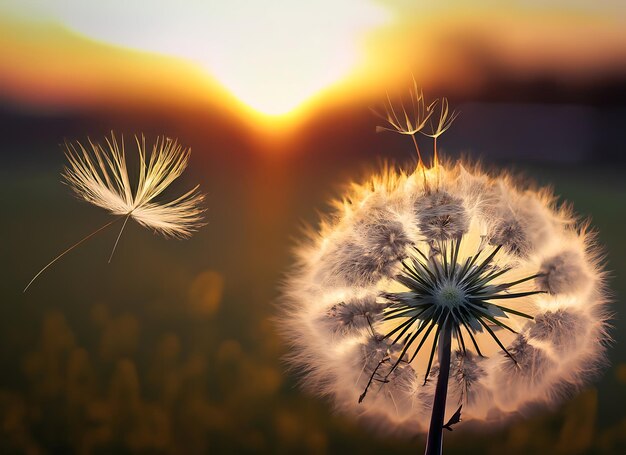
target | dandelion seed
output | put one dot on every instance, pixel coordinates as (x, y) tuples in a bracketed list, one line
[(371, 253), (445, 121), (468, 376), (563, 273), (353, 316), (562, 328), (410, 119), (351, 262), (99, 175), (463, 263), (512, 234), (441, 216)]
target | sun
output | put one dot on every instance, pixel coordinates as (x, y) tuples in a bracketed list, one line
[(272, 55), (276, 55)]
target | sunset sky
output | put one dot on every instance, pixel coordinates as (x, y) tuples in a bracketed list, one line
[(279, 57)]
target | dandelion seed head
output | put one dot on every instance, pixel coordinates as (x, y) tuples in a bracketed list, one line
[(404, 254)]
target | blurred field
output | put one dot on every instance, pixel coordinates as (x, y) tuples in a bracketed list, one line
[(172, 348)]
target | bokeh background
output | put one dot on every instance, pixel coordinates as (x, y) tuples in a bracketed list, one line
[(171, 348)]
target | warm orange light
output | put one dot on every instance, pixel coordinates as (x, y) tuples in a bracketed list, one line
[(274, 62), (273, 55)]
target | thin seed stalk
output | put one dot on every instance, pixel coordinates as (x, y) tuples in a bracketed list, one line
[(434, 442)]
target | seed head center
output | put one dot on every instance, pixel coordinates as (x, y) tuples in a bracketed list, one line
[(449, 295)]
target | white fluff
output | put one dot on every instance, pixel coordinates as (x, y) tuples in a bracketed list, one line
[(356, 253), (100, 177)]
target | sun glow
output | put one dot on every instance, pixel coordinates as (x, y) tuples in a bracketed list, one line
[(271, 55), (273, 63)]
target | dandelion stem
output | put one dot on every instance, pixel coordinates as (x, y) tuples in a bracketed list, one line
[(434, 441), (118, 237), (70, 249)]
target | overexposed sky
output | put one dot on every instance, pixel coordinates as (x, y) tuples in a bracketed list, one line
[(271, 54), (274, 55)]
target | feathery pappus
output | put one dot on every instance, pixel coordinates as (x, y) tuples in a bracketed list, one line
[(99, 175)]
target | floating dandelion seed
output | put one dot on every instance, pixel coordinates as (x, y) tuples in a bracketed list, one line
[(411, 118), (100, 176), (445, 292), (445, 121)]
